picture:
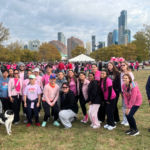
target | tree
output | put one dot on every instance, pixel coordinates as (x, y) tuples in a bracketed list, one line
[(4, 33), (78, 50), (15, 45), (49, 52), (4, 53), (139, 58), (26, 55)]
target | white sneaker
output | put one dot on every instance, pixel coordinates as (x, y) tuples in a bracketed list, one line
[(126, 124), (115, 122), (111, 127), (123, 122), (95, 127), (16, 122), (91, 125), (106, 126), (39, 115), (100, 122), (25, 114), (26, 121)]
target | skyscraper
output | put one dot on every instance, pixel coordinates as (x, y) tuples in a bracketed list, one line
[(72, 43), (26, 46), (34, 45), (122, 26), (61, 38), (110, 39), (88, 48), (115, 37), (128, 32), (101, 44), (60, 46), (93, 42)]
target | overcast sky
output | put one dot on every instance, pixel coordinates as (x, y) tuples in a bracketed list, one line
[(43, 19)]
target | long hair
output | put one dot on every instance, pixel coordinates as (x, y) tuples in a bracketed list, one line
[(115, 70), (74, 78), (104, 82), (127, 66), (130, 78)]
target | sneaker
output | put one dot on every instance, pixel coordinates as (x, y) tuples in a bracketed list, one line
[(67, 128), (123, 122), (86, 119), (48, 119), (100, 121), (38, 124), (25, 114), (95, 127), (39, 115), (26, 121), (83, 119), (44, 124), (134, 132), (28, 125), (16, 123), (92, 125), (115, 122), (106, 126), (126, 124), (128, 131), (56, 123), (111, 127)]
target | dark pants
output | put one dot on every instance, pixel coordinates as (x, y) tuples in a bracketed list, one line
[(102, 112), (29, 111), (5, 103), (83, 107), (110, 108), (46, 108), (23, 108), (77, 97), (16, 107), (116, 112), (131, 119)]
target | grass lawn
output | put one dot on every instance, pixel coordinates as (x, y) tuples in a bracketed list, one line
[(82, 136)]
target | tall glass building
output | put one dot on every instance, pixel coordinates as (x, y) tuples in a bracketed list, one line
[(110, 39), (128, 32), (122, 26), (101, 44), (61, 38), (115, 37), (93, 42)]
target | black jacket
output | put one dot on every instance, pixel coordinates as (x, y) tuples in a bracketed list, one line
[(69, 102), (94, 93), (100, 66)]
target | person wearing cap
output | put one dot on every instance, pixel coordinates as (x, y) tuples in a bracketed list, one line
[(49, 99), (22, 72), (45, 78), (32, 96)]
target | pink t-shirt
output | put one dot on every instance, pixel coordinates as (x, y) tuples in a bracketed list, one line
[(8, 67), (46, 79), (97, 75), (18, 86), (108, 84), (85, 68), (72, 86), (32, 91), (21, 74)]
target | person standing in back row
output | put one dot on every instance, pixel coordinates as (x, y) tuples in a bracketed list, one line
[(96, 72)]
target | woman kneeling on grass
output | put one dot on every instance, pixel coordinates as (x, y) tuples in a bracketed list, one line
[(69, 106), (109, 99), (49, 99), (133, 100)]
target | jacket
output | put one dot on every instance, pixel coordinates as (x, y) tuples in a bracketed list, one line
[(84, 88), (133, 96), (61, 66), (94, 93), (69, 102), (148, 88)]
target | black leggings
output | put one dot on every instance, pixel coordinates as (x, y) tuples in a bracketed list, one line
[(5, 103), (116, 112), (46, 108), (82, 104)]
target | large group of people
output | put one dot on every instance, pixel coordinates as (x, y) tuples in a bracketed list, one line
[(61, 87)]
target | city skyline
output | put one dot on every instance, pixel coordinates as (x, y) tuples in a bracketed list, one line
[(32, 20)]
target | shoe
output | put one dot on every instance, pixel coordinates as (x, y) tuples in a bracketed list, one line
[(44, 124), (28, 125), (111, 127), (123, 122), (115, 122), (126, 124), (48, 119), (26, 121), (56, 123), (134, 132), (100, 121), (106, 126), (86, 119), (95, 127), (25, 114), (128, 131), (66, 128), (39, 115), (16, 122), (38, 124), (91, 125)]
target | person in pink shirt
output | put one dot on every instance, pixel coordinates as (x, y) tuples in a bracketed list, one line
[(22, 72), (96, 72), (45, 78), (11, 73), (32, 97), (14, 66), (106, 87), (15, 95), (54, 68), (85, 69), (38, 78), (133, 100), (49, 99), (8, 66)]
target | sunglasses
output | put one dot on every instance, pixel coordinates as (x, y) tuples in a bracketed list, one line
[(64, 87), (123, 65)]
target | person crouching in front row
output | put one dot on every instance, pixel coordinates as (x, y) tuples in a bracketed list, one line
[(32, 96), (69, 106), (49, 99)]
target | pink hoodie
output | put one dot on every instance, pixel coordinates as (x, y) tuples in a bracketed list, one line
[(11, 85), (50, 94), (133, 96)]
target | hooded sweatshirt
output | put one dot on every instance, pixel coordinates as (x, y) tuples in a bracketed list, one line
[(4, 87)]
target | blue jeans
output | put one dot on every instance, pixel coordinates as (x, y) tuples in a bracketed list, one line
[(131, 119)]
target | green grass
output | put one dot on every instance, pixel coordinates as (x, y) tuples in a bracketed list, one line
[(82, 136)]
